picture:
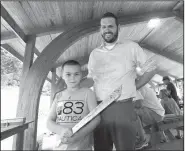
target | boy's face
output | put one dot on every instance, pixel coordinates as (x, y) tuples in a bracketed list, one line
[(72, 75)]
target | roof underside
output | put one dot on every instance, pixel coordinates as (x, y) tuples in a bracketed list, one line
[(49, 19)]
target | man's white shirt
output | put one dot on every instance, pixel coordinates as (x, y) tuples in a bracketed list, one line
[(112, 68)]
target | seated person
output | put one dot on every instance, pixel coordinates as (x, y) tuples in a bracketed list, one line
[(150, 111), (151, 106), (170, 106), (169, 103)]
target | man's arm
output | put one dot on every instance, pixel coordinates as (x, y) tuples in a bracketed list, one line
[(145, 78), (147, 66), (92, 103)]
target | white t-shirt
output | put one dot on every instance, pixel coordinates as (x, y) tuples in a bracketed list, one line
[(150, 100), (112, 68)]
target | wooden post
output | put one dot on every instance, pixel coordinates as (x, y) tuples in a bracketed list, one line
[(27, 63), (20, 139), (28, 60), (53, 81)]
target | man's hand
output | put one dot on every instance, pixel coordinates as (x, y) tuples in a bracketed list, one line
[(138, 104)]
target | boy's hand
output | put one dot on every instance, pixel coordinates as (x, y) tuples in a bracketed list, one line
[(69, 140), (138, 104), (65, 135), (68, 133)]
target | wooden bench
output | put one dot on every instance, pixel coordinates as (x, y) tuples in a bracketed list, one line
[(172, 145), (170, 121), (14, 126)]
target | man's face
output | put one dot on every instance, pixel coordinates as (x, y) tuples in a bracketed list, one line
[(72, 75), (109, 29)]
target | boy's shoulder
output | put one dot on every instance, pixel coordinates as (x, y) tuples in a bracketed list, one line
[(88, 90), (58, 94)]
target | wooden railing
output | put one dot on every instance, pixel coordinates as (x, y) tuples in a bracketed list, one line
[(10, 127)]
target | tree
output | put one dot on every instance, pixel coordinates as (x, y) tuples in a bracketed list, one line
[(11, 69)]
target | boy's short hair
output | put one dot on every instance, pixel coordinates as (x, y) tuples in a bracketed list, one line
[(71, 62), (109, 14)]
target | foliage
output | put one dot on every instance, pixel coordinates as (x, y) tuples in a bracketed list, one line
[(11, 69)]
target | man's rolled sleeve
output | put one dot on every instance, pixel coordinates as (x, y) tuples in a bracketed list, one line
[(139, 56), (146, 65)]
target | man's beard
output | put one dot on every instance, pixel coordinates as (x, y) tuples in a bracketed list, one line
[(113, 39)]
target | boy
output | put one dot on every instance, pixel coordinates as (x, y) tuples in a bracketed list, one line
[(69, 107)]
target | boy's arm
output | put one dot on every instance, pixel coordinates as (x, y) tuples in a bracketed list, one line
[(92, 103), (51, 120)]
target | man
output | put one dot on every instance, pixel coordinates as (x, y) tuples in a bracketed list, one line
[(151, 105), (171, 88), (111, 65)]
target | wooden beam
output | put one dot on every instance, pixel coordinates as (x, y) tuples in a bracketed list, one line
[(82, 60), (53, 81), (15, 28), (39, 32), (178, 5), (165, 54), (27, 63), (28, 56), (12, 51), (179, 16), (8, 37)]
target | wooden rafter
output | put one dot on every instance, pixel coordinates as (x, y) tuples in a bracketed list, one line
[(176, 11), (53, 82), (178, 5), (12, 51), (15, 28), (165, 54), (179, 16), (7, 37)]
